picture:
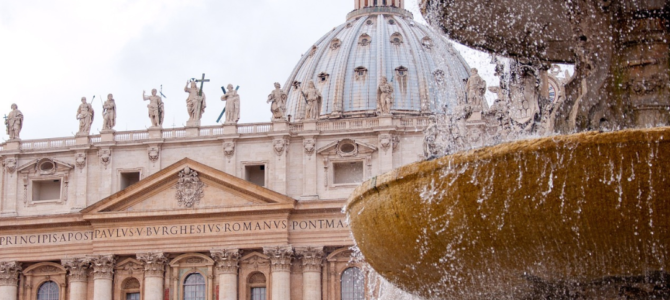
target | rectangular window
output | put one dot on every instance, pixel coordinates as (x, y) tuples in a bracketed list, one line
[(44, 190), (133, 296), (348, 172), (128, 179), (258, 293), (255, 174)]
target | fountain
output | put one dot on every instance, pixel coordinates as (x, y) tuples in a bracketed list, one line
[(577, 216)]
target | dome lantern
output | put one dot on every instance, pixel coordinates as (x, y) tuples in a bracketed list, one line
[(370, 3)]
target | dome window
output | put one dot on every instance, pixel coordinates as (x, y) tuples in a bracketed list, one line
[(401, 76), (396, 39), (323, 76), (335, 44), (360, 73), (401, 71), (369, 22), (427, 43), (296, 84), (391, 22), (364, 40)]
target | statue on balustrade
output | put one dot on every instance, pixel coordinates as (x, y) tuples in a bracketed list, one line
[(196, 101), (85, 115), (232, 99), (156, 108), (475, 89), (313, 101), (109, 114), (278, 107), (384, 97), (14, 123)]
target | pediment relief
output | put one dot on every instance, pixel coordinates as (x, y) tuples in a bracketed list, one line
[(45, 269), (347, 148), (130, 265), (255, 260), (188, 185), (192, 259), (45, 166), (342, 254)]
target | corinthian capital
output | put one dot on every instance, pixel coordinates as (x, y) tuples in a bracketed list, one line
[(312, 258), (77, 268), (103, 266), (227, 260), (154, 263), (9, 273), (280, 257)]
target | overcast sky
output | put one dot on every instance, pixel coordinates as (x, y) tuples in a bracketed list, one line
[(55, 52)]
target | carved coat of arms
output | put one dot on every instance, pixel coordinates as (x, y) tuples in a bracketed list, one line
[(189, 188)]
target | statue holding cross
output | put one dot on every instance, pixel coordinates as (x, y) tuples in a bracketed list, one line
[(196, 101)]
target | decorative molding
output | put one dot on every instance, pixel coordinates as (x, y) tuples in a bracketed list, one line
[(80, 160), (312, 258), (103, 266), (229, 148), (9, 164), (310, 146), (9, 273), (280, 257), (255, 260), (387, 141), (105, 156), (154, 263), (154, 153), (280, 146), (77, 268), (190, 189), (227, 260)]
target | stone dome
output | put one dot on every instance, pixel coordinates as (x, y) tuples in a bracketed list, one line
[(347, 64)]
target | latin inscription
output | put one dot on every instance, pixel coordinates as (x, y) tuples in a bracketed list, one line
[(172, 230)]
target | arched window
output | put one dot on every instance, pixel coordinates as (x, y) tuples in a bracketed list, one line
[(352, 284), (131, 287), (257, 288), (194, 287), (48, 291)]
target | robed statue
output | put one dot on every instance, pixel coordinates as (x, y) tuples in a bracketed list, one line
[(85, 116), (109, 113), (384, 97), (232, 99), (313, 98), (14, 123), (278, 107), (475, 89), (156, 108), (196, 101)]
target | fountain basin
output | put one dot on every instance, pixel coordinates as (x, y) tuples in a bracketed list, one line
[(504, 221)]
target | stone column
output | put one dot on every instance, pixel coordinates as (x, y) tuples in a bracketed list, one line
[(154, 270), (9, 279), (312, 258), (280, 260), (77, 277), (103, 272), (227, 264)]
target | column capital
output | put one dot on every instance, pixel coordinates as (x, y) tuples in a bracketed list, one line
[(9, 273), (103, 266), (227, 260), (312, 258), (154, 263), (77, 268), (280, 257)]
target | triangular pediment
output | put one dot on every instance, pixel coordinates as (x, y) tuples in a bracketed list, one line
[(177, 188)]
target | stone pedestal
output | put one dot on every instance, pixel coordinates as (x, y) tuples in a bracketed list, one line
[(386, 120), (311, 271), (107, 136), (82, 139), (77, 276), (154, 270), (12, 145), (155, 133), (309, 125), (192, 131), (227, 264), (280, 259), (103, 272), (9, 279), (279, 126), (229, 128)]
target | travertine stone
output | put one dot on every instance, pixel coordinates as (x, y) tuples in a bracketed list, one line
[(278, 100), (78, 276), (312, 259), (154, 269), (280, 261), (85, 116), (109, 114), (232, 99), (196, 102), (313, 98), (156, 108), (103, 266), (14, 123), (227, 260), (9, 273), (385, 97)]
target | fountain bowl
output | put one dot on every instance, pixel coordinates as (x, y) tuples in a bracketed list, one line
[(555, 215)]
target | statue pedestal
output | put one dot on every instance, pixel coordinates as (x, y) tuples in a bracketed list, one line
[(192, 131), (82, 139), (279, 126), (309, 125), (107, 136), (193, 123), (155, 133), (229, 128), (14, 144), (386, 120)]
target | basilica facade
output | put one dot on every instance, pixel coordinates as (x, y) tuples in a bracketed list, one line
[(235, 211)]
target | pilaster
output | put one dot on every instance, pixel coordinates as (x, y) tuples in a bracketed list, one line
[(230, 156), (309, 165), (10, 188), (106, 171), (154, 155), (81, 178), (387, 143), (280, 146)]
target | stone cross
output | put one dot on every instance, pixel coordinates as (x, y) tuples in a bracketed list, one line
[(202, 82)]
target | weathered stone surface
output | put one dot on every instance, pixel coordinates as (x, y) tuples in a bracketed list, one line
[(482, 223)]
